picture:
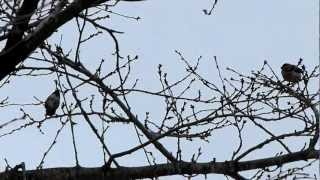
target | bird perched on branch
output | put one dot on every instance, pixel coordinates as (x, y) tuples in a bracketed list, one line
[(52, 103), (291, 73)]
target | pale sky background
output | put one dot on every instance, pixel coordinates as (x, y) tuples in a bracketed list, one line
[(242, 34)]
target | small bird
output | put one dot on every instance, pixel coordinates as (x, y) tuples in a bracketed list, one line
[(52, 103), (291, 73)]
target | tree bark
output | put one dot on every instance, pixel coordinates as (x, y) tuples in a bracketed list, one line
[(228, 168), (18, 49)]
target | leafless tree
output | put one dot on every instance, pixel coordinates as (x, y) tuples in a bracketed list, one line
[(194, 106)]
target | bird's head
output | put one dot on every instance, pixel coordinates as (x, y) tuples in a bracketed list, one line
[(56, 92), (286, 66)]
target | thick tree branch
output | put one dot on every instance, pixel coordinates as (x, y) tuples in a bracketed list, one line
[(16, 54), (20, 22), (227, 168)]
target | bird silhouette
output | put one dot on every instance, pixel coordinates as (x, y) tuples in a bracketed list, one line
[(291, 73), (52, 103)]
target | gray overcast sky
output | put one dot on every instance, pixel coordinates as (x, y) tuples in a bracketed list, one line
[(242, 34)]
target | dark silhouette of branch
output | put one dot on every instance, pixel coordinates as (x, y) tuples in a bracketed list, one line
[(228, 168)]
